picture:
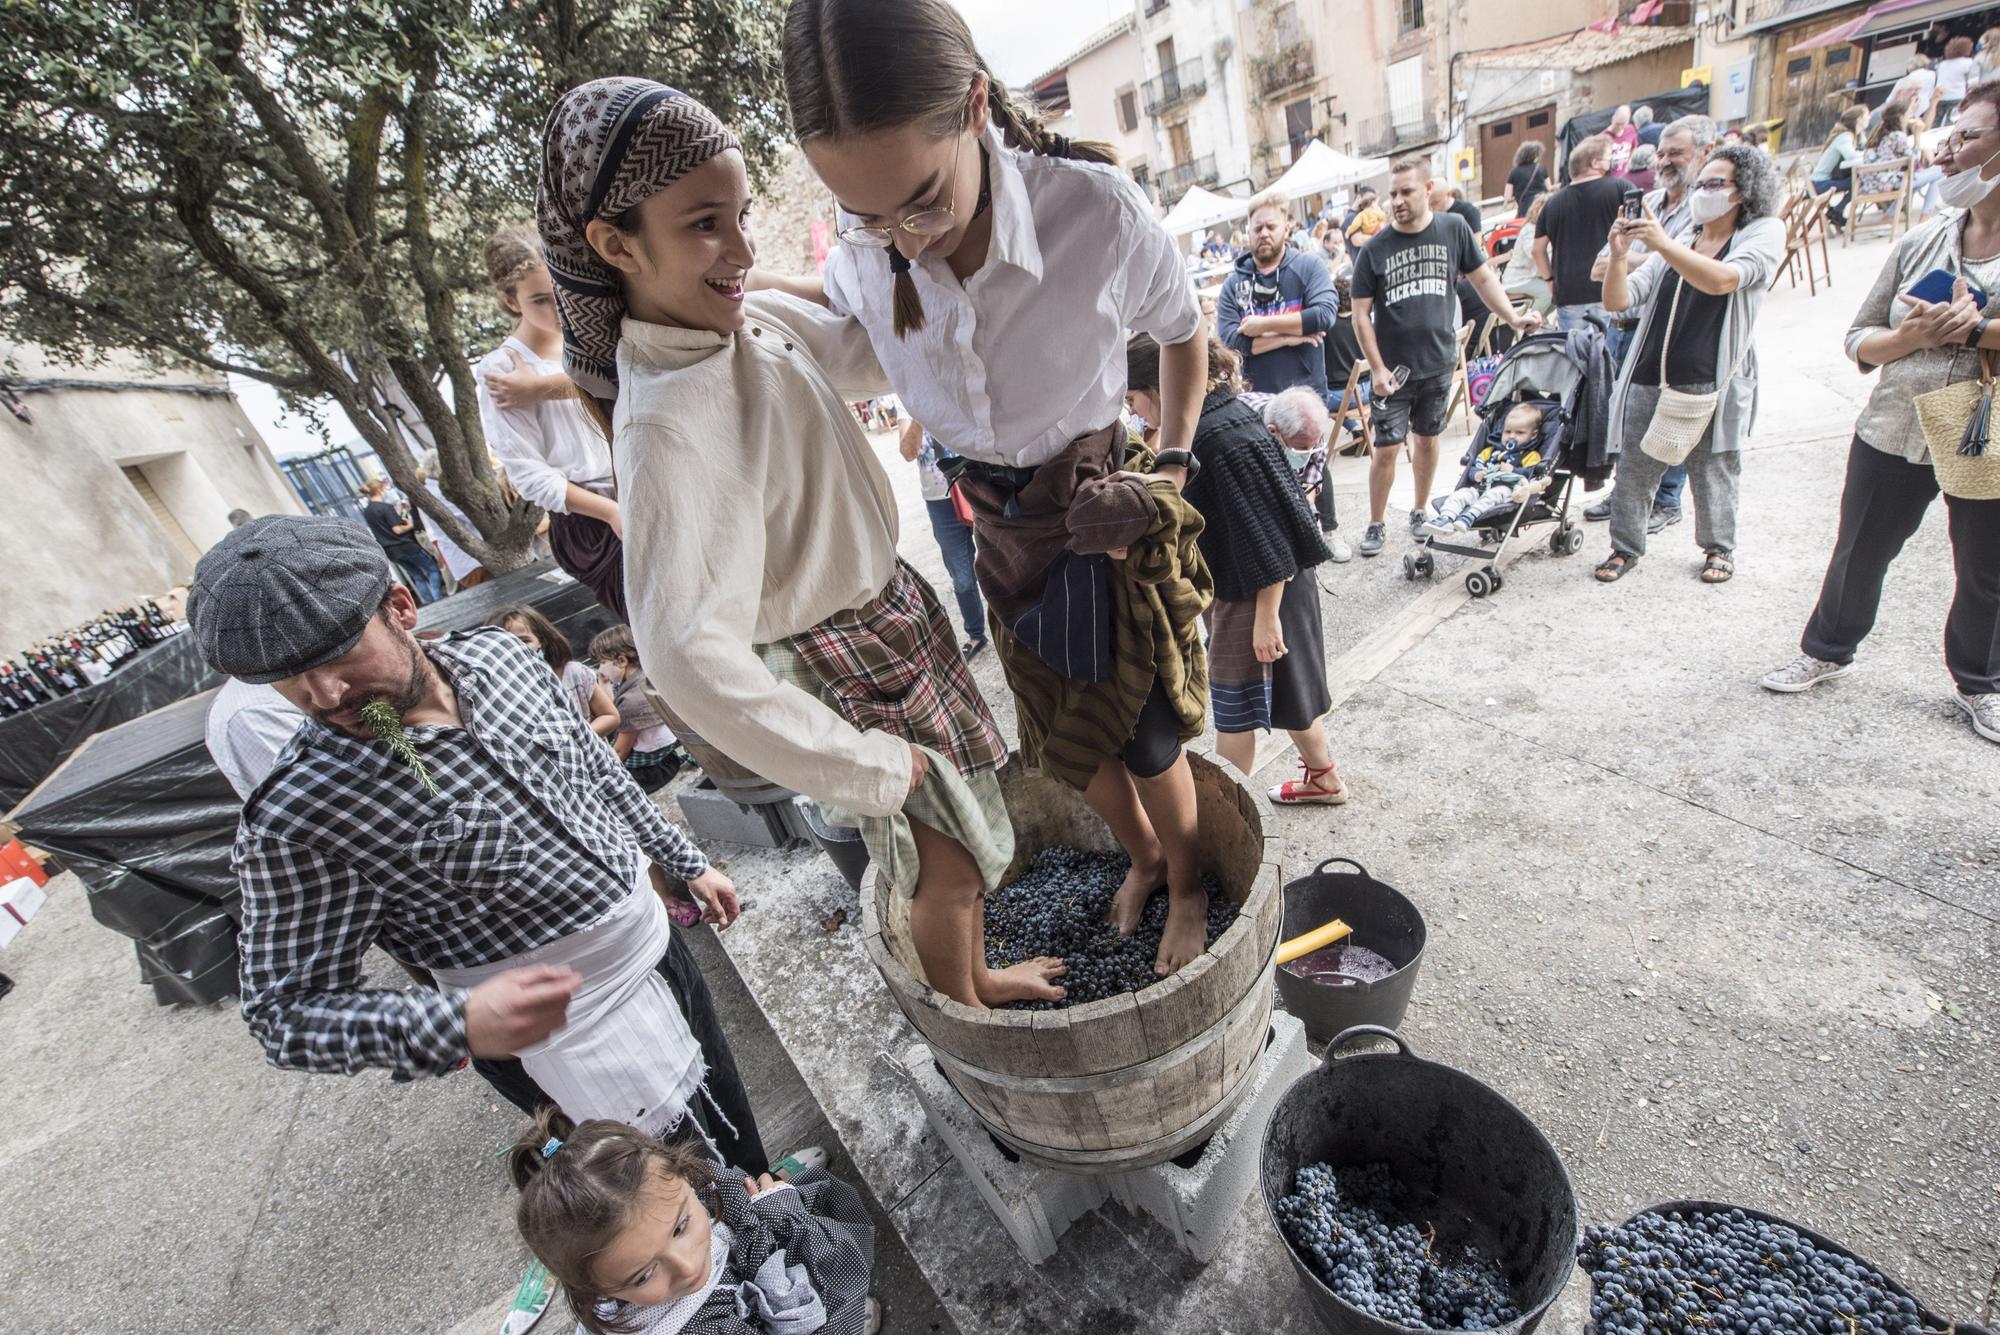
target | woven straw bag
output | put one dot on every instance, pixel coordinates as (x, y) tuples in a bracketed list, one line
[(1679, 419), (1957, 422)]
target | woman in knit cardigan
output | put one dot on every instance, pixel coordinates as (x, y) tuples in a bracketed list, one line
[(1266, 654)]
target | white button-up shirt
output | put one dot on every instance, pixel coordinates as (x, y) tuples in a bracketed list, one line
[(1028, 353), (545, 446)]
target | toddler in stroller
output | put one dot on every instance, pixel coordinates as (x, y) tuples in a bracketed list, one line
[(1496, 475)]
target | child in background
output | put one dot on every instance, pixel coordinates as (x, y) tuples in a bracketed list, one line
[(644, 742), (1498, 474), (591, 696), (648, 1238)]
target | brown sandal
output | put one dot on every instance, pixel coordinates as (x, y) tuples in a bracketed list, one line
[(1717, 568), (1615, 567)]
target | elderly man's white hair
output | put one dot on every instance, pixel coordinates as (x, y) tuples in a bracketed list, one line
[(1642, 116), (1299, 414)]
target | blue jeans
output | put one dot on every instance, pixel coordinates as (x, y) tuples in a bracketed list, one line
[(954, 540), (1836, 212), (421, 574)]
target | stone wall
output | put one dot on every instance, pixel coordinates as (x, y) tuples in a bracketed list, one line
[(790, 202)]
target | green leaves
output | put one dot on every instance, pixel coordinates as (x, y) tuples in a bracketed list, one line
[(387, 725)]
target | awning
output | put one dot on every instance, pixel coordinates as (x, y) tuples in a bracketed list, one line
[(1200, 208), (1319, 169), (1889, 14)]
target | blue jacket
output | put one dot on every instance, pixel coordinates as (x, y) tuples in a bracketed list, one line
[(1303, 286)]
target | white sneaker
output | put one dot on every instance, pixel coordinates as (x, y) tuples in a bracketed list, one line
[(1802, 674), (1984, 711), (1342, 553), (531, 1300)]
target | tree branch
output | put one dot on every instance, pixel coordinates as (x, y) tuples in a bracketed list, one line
[(150, 336)]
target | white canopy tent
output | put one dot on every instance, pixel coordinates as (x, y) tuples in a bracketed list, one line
[(1200, 208), (1319, 169)]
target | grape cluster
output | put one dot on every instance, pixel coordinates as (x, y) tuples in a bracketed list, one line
[(1057, 907), (1350, 1226), (1727, 1271)]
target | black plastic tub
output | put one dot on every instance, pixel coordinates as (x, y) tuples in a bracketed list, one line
[(1475, 1167), (1932, 1321), (841, 843), (1383, 920)]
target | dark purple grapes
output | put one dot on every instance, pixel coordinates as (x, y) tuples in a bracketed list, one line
[(1353, 1227), (1057, 907), (1729, 1272)]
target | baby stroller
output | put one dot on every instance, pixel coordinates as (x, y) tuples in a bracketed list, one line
[(1539, 371)]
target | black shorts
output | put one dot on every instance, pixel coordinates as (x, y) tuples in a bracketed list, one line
[(1418, 407)]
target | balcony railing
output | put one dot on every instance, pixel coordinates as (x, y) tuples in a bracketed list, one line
[(1154, 6), (1178, 179), (1285, 68), (1758, 12), (1382, 137), (1175, 86)]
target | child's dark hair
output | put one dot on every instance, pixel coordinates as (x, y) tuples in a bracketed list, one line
[(614, 642), (858, 66), (578, 1186), (555, 645), (1142, 364)]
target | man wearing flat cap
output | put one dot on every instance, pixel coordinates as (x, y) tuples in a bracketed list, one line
[(444, 799)]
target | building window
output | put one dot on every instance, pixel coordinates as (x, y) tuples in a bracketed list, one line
[(1299, 123), (1406, 93), (1128, 110), (1285, 26), (1411, 12)]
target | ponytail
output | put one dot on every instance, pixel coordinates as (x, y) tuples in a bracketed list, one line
[(1022, 127), (530, 1151)]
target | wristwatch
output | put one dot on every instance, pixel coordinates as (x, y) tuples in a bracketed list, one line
[(1179, 459), (1978, 332)]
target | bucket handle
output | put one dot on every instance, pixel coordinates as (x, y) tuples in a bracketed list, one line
[(1346, 1036), (1349, 861)]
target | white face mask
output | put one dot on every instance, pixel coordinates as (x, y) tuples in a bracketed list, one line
[(1964, 189), (1708, 205)]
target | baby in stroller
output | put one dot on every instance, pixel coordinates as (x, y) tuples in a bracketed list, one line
[(1498, 474)]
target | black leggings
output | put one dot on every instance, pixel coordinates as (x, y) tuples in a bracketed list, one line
[(1156, 739)]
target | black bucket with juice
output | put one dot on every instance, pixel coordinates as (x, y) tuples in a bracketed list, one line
[(1325, 999)]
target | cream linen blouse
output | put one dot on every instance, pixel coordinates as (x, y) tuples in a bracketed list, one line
[(754, 510)]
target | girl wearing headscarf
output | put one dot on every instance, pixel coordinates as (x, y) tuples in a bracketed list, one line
[(997, 267), (760, 532)]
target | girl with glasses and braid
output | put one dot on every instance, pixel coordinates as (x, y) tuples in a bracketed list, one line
[(997, 268)]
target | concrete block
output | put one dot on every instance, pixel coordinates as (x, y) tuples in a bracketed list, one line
[(1196, 1204), (712, 814)]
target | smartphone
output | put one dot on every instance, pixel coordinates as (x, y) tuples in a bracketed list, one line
[(1936, 286), (1634, 206)]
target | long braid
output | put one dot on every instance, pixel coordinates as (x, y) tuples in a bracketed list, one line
[(1021, 127)]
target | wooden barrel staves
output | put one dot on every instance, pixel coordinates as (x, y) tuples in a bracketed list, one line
[(1136, 1079)]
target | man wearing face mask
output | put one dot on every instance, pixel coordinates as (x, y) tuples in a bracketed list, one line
[(1682, 145)]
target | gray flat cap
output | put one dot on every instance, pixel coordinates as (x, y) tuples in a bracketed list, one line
[(285, 594)]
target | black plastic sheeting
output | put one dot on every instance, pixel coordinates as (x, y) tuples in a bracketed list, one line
[(145, 819), (34, 743), (1667, 108)]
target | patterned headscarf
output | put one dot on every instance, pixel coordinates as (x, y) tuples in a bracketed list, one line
[(608, 145)]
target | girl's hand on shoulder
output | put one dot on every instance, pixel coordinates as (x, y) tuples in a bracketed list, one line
[(760, 1184)]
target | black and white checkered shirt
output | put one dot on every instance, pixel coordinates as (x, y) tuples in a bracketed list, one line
[(535, 833)]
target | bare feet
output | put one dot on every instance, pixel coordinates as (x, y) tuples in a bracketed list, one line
[(1187, 932), (1140, 884), (1030, 980)]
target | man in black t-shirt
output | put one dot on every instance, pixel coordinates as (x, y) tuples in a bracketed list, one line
[(1406, 317), (395, 533), (1573, 228)]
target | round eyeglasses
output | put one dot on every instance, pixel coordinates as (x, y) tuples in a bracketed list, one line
[(924, 223)]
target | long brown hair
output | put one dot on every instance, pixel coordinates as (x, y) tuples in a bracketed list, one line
[(556, 647), (1891, 123), (1848, 122), (859, 66), (1142, 365), (578, 1187)]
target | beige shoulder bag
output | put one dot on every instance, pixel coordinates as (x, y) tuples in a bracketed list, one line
[(1679, 419)]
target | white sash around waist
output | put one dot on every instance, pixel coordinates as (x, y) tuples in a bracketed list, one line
[(625, 1051)]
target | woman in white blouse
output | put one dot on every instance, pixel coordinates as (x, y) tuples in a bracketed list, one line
[(768, 604), (998, 268), (539, 431)]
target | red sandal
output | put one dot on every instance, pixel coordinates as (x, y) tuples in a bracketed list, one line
[(1320, 786)]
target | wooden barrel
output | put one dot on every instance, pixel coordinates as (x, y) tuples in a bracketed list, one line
[(1136, 1079)]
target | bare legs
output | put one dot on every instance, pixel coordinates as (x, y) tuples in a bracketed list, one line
[(948, 928), (1154, 822), (1382, 474), (1113, 796)]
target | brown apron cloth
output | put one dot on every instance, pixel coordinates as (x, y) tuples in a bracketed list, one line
[(590, 551)]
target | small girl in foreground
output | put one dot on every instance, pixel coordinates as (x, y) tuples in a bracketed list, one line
[(654, 1239), (592, 696)]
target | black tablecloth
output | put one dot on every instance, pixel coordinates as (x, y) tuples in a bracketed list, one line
[(34, 743), (144, 818)]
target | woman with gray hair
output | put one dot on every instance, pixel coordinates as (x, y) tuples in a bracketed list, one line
[(1698, 296)]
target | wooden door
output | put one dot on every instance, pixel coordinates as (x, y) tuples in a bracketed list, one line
[(1500, 139), (1178, 143), (1808, 88)]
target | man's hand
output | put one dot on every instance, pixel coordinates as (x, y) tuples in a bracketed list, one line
[(1267, 640), (912, 443), (518, 1009), (1529, 322), (1382, 382), (1252, 325), (716, 894)]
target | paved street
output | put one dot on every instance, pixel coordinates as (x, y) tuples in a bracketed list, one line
[(1717, 943)]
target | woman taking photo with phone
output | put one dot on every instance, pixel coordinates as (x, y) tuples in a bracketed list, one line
[(1921, 346), (1687, 392)]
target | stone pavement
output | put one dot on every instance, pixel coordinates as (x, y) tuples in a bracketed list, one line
[(1715, 942)]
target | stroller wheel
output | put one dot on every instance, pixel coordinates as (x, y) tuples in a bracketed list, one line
[(1572, 540), (1426, 563), (1409, 566), (1478, 583), (1497, 581)]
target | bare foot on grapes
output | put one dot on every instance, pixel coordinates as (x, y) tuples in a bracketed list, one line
[(1187, 932), (1139, 886), (1030, 980)]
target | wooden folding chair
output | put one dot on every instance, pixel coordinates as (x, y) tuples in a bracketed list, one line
[(1809, 225), (1895, 203), (1522, 303), (1353, 401), (1460, 398)]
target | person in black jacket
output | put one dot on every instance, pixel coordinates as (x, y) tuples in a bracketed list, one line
[(1266, 649)]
